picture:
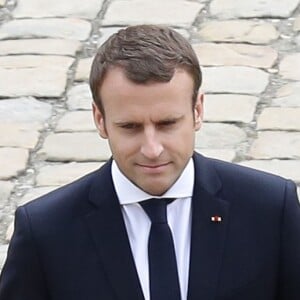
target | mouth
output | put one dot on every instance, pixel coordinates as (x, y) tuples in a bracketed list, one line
[(154, 168)]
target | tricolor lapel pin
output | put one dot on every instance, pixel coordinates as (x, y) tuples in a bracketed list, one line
[(216, 219)]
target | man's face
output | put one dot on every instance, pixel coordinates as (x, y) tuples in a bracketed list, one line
[(150, 127)]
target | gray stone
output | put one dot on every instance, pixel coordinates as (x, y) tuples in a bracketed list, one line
[(211, 54), (235, 80), (83, 146), (277, 118), (39, 82), (297, 40), (80, 97), (36, 192), (285, 168), (219, 136), (70, 28), (229, 108), (83, 69), (47, 176), (238, 31), (9, 231), (222, 154), (76, 121), (3, 253), (297, 24), (231, 9), (35, 61), (37, 112), (63, 8), (276, 144), (6, 188), (106, 33), (40, 46), (171, 12), (14, 135), (288, 95), (29, 75), (13, 162), (290, 67)]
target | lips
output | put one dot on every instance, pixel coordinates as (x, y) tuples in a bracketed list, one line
[(153, 168)]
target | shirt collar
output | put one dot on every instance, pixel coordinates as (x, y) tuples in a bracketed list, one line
[(129, 193)]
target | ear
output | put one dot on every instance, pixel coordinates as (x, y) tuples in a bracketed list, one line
[(99, 121), (198, 111)]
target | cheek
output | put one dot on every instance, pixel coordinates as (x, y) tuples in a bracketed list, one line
[(186, 143), (123, 147), (180, 147)]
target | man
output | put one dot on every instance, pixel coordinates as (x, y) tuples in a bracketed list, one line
[(235, 232)]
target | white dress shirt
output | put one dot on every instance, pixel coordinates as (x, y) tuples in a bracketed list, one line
[(138, 223)]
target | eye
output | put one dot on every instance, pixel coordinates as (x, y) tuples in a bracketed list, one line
[(167, 123), (130, 126)]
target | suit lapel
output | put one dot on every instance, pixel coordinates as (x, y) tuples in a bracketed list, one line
[(109, 235), (110, 238), (208, 237)]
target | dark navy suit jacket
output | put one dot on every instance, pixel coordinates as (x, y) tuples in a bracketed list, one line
[(72, 243)]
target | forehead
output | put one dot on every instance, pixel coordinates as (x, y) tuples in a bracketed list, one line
[(116, 84), (125, 100)]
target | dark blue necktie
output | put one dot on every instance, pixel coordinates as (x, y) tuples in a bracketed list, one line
[(164, 282)]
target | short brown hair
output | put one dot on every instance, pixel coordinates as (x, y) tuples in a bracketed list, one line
[(146, 53)]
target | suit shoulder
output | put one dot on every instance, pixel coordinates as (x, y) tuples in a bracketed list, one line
[(243, 183)]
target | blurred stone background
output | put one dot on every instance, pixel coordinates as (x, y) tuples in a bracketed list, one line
[(249, 51)]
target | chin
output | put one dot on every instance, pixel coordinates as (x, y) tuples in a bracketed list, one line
[(156, 191)]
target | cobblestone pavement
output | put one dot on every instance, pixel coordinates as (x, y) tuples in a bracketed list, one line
[(249, 50)]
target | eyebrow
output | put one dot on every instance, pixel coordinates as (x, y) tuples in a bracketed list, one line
[(167, 119), (170, 119)]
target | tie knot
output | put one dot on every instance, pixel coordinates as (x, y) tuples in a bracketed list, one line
[(156, 209)]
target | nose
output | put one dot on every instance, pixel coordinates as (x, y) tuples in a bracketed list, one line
[(151, 147)]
